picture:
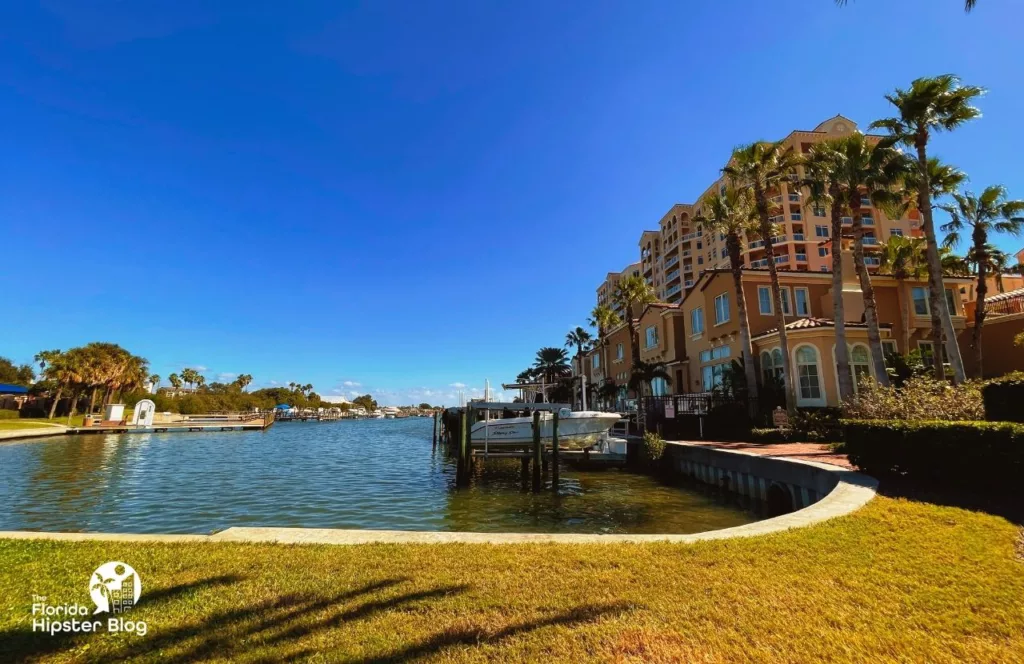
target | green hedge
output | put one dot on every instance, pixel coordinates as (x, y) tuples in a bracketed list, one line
[(1004, 398), (981, 455)]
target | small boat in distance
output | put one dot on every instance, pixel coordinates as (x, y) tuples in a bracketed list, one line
[(575, 429)]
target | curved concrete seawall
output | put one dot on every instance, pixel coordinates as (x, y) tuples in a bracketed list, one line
[(817, 491)]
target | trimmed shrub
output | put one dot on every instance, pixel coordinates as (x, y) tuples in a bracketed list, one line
[(768, 436), (978, 455), (654, 446), (1004, 398), (9, 414), (921, 398)]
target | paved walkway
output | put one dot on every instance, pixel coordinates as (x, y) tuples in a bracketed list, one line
[(819, 452), (43, 429)]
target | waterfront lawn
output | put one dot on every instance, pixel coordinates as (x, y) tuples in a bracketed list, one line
[(901, 579)]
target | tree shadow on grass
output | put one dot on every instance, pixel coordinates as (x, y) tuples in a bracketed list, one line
[(1005, 505), (476, 637), (22, 644)]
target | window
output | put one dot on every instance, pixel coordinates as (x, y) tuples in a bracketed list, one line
[(823, 251), (889, 349), (824, 268), (722, 309), (700, 260), (810, 377), (777, 363), (711, 376), (700, 245), (895, 232), (764, 300), (860, 365), (705, 356), (652, 336), (927, 352), (786, 309), (819, 211), (821, 231), (620, 352), (659, 387), (595, 361), (802, 297), (721, 352), (920, 297), (766, 366), (951, 301), (697, 321)]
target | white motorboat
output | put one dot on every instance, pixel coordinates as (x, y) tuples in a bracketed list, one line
[(575, 429)]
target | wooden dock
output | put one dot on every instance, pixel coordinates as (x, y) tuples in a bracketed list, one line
[(248, 423)]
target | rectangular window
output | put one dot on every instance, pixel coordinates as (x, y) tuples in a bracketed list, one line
[(764, 300), (823, 251), (951, 302), (652, 336), (895, 232), (803, 301), (888, 349), (824, 268), (819, 211), (786, 309), (620, 352), (821, 231), (697, 321), (920, 297), (927, 352), (707, 378), (722, 309), (720, 352), (705, 356), (595, 361), (700, 260)]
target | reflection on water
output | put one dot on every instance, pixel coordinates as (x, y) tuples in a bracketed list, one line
[(349, 474)]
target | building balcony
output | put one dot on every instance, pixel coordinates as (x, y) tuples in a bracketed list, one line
[(847, 220), (782, 259), (795, 216), (872, 261), (672, 261), (756, 244), (870, 242), (671, 276), (867, 221), (686, 252), (794, 197), (776, 199), (798, 237), (688, 268), (777, 219), (688, 283), (865, 201), (669, 292), (759, 263), (801, 258)]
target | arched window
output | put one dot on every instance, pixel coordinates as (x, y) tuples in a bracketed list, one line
[(860, 364), (809, 392), (777, 363), (766, 366), (659, 387)]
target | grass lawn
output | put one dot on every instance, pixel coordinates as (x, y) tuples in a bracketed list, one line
[(900, 580), (7, 425), (36, 422)]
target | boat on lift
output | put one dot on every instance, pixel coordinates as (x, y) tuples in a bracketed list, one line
[(575, 429)]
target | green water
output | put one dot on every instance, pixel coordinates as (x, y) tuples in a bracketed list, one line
[(377, 474)]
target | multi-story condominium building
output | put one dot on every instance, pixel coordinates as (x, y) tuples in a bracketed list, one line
[(800, 245), (712, 341), (606, 291)]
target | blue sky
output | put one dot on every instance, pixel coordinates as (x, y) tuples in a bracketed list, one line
[(404, 197)]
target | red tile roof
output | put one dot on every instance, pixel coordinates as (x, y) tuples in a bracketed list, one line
[(811, 322)]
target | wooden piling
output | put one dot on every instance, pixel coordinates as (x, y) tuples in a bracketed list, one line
[(433, 443), (554, 452), (538, 452), (462, 473)]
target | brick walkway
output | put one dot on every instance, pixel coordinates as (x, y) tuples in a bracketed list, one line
[(806, 451)]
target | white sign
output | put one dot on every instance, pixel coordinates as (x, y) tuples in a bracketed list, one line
[(780, 418), (670, 409)]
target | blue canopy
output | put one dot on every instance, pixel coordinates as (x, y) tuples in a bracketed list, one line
[(283, 406), (6, 388)]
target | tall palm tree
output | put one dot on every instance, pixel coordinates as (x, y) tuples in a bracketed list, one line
[(733, 214), (633, 294), (175, 380), (644, 374), (988, 213), (932, 105), (579, 338), (953, 265), (761, 166), (243, 381), (904, 258), (45, 357), (999, 264), (876, 171), (154, 379), (825, 190), (552, 363), (603, 318), (65, 369), (968, 4)]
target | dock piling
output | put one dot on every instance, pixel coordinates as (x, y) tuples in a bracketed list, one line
[(538, 452), (554, 452), (461, 472), (433, 444)]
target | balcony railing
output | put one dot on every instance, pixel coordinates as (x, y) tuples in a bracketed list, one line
[(801, 258), (672, 276), (865, 201), (759, 263), (795, 216), (688, 283), (778, 239), (847, 220), (776, 199), (871, 241), (874, 261), (691, 236), (688, 268), (672, 261), (867, 221), (794, 197), (756, 244), (777, 219), (782, 259), (686, 252), (672, 291), (798, 237)]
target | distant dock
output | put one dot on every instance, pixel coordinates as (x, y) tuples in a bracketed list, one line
[(198, 424)]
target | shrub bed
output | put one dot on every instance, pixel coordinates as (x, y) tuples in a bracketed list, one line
[(987, 455), (1004, 398)]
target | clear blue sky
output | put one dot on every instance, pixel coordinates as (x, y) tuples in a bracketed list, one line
[(411, 195)]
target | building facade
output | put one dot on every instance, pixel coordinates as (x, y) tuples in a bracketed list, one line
[(606, 291)]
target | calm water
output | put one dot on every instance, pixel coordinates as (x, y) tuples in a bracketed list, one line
[(349, 474)]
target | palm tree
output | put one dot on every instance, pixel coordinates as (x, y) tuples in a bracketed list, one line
[(243, 381), (633, 294), (733, 214), (552, 363), (603, 318), (65, 369), (175, 380), (989, 213), (968, 4), (45, 357), (761, 166), (932, 105), (644, 373), (904, 258), (824, 189), (154, 379), (952, 264), (877, 171), (579, 338)]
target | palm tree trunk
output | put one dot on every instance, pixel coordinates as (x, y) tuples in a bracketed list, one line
[(761, 199), (868, 291), (941, 321), (838, 306), (92, 398), (904, 304), (736, 262), (979, 311), (634, 346), (56, 400)]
